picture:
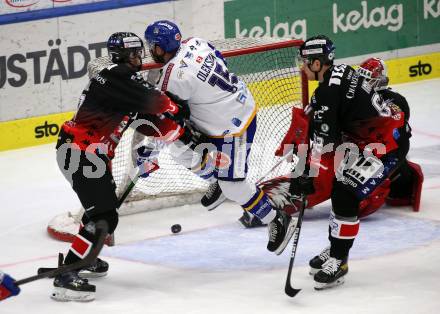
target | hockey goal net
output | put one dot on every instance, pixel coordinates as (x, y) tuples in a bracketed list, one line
[(268, 68)]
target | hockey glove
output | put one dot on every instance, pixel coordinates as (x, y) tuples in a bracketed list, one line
[(302, 185), (193, 137), (7, 286), (179, 114), (147, 160)]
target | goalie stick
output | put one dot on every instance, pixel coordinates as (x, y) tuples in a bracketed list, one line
[(8, 284)]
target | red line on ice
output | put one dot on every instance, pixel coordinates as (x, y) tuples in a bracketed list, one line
[(28, 261), (426, 133)]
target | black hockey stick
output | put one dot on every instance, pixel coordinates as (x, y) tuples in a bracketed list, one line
[(9, 286), (128, 190), (101, 230), (46, 269), (121, 200), (291, 291)]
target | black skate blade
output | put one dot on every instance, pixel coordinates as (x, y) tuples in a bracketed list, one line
[(290, 291)]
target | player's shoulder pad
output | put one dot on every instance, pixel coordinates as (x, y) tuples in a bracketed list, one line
[(116, 71), (119, 69), (197, 41)]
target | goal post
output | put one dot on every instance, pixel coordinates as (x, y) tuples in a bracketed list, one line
[(268, 67)]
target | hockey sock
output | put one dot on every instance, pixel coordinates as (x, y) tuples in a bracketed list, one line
[(260, 206), (81, 245), (342, 232)]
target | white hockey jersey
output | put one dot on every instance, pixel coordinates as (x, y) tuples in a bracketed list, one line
[(220, 103)]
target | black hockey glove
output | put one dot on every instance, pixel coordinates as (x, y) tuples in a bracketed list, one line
[(193, 137), (302, 185)]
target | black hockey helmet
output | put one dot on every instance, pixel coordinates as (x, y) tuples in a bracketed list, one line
[(318, 48), (123, 45)]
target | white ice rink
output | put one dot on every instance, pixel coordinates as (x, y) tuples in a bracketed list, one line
[(216, 266)]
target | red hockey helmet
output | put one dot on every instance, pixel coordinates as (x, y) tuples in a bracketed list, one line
[(375, 72)]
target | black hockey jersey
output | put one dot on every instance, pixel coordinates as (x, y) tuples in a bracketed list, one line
[(345, 108), (105, 104)]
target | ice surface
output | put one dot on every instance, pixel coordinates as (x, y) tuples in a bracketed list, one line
[(214, 265)]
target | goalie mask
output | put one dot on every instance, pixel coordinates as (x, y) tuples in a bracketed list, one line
[(375, 72), (124, 45)]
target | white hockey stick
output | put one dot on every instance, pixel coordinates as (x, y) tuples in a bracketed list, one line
[(289, 157)]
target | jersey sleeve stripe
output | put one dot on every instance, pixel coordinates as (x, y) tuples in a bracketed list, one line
[(167, 77)]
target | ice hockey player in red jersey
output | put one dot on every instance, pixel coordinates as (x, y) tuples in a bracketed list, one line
[(406, 182), (352, 132), (86, 146)]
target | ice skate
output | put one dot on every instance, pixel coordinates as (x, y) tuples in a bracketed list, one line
[(332, 274), (70, 287), (281, 230), (213, 196), (98, 269), (316, 262)]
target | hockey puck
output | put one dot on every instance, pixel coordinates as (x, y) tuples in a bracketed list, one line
[(176, 228)]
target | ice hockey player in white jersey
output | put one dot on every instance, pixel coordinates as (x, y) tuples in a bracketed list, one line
[(222, 108)]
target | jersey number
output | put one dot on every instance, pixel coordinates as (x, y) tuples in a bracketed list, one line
[(223, 79), (380, 105)]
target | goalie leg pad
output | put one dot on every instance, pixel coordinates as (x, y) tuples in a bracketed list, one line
[(417, 185), (277, 189), (406, 188), (375, 200)]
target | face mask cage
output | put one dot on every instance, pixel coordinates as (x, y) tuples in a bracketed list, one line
[(124, 55), (301, 61)]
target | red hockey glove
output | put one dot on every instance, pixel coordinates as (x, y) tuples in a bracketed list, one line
[(176, 108)]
